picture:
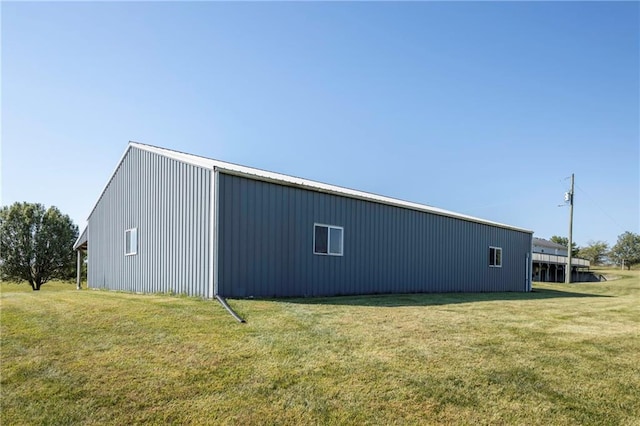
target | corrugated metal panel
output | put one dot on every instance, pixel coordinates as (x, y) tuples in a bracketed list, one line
[(286, 180), (266, 246), (169, 203)]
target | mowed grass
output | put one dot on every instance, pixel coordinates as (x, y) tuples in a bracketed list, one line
[(563, 354)]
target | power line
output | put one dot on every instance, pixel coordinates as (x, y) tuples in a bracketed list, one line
[(600, 208)]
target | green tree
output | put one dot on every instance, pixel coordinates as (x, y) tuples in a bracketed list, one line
[(627, 250), (595, 252), (564, 241), (36, 245)]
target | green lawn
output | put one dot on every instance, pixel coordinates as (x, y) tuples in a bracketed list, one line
[(563, 354)]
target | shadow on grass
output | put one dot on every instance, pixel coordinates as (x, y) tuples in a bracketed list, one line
[(427, 299)]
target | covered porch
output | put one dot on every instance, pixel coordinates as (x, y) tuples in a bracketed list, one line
[(552, 268), (80, 247)]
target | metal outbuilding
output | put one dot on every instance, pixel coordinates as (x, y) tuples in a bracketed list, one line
[(174, 222)]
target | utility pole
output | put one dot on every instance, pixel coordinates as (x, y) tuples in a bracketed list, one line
[(567, 275)]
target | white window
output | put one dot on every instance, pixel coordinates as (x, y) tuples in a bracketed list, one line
[(327, 239), (131, 241), (495, 257)]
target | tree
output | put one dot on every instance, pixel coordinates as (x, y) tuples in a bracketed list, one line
[(564, 241), (595, 252), (627, 250), (36, 245)]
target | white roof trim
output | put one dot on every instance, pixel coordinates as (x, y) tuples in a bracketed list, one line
[(258, 174), (312, 185)]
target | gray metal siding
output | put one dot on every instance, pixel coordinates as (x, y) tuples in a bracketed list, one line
[(169, 203), (266, 246)]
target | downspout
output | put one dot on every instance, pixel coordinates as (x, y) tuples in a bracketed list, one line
[(216, 222), (213, 247), (530, 265), (228, 308), (212, 233), (528, 272)]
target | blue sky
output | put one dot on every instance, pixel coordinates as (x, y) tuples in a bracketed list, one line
[(480, 108)]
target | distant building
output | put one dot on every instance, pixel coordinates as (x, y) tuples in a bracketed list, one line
[(549, 247), (550, 262), (174, 222)]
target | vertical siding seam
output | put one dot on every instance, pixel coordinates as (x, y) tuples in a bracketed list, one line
[(212, 210), (215, 232)]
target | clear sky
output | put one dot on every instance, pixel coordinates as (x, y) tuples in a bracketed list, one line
[(480, 108)]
